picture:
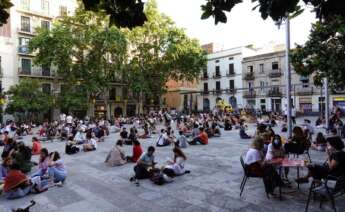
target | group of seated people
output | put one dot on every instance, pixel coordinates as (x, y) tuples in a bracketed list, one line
[(16, 176), (145, 167), (257, 159)]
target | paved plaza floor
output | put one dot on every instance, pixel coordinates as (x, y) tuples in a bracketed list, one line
[(212, 185)]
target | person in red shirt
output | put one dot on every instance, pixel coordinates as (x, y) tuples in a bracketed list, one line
[(137, 152), (202, 138), (36, 146)]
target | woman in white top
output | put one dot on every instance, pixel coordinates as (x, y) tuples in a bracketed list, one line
[(275, 149), (177, 165), (116, 156)]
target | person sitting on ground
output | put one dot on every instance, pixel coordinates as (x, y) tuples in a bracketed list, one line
[(132, 136), (182, 141), (243, 133), (42, 164), (215, 130), (195, 130), (275, 149), (36, 146), (144, 165), (146, 134), (202, 138), (9, 148), (137, 152), (71, 147), (17, 185), (116, 156), (4, 169), (297, 144), (227, 124), (124, 134), (175, 167), (56, 169), (90, 145), (163, 139), (22, 157), (255, 165), (335, 165), (80, 136), (320, 142)]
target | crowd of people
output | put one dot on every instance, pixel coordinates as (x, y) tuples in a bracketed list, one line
[(19, 175)]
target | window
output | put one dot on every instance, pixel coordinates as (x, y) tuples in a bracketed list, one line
[(205, 86), (232, 85), (26, 66), (250, 69), (231, 58), (205, 74), (45, 25), (46, 88), (305, 81), (218, 85), (45, 6), (262, 85), (24, 41), (275, 66), (217, 71), (63, 11), (46, 71), (25, 24), (250, 85), (25, 4), (261, 67), (231, 68), (217, 61)]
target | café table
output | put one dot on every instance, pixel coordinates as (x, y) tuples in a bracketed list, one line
[(287, 163)]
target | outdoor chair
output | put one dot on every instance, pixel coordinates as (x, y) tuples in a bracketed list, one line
[(330, 188), (246, 176)]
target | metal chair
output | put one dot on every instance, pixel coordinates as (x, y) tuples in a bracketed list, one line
[(246, 176), (330, 188)]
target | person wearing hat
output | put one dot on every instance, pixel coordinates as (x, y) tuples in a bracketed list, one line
[(334, 166)]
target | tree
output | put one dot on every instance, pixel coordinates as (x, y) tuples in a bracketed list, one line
[(160, 51), (28, 100), (324, 53), (5, 5), (85, 51)]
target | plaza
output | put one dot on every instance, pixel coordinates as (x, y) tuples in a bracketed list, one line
[(212, 185)]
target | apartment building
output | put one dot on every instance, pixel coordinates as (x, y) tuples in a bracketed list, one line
[(222, 78), (264, 82)]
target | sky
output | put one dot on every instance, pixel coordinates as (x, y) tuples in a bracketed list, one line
[(244, 26)]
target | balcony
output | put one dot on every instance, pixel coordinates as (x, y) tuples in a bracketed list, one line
[(216, 76), (249, 94), (27, 31), (249, 76), (37, 72), (230, 73), (308, 91), (205, 92), (274, 93), (24, 49), (217, 91), (230, 90), (204, 77), (275, 73)]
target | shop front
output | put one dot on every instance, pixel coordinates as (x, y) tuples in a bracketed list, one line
[(339, 102), (305, 105)]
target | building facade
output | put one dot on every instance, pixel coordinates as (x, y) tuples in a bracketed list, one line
[(16, 62), (222, 79), (264, 82)]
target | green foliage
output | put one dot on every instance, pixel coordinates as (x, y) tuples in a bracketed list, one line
[(324, 53), (27, 97), (85, 51), (72, 98), (160, 51), (276, 9), (128, 13), (5, 5)]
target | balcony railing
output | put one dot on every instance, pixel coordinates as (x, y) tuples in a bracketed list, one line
[(204, 77), (29, 31), (275, 73), (217, 91), (23, 49), (308, 91), (37, 72), (249, 94), (274, 93), (216, 76), (205, 92), (230, 73), (249, 76), (230, 90)]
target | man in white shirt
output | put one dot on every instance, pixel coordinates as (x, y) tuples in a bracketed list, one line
[(69, 119), (90, 145)]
